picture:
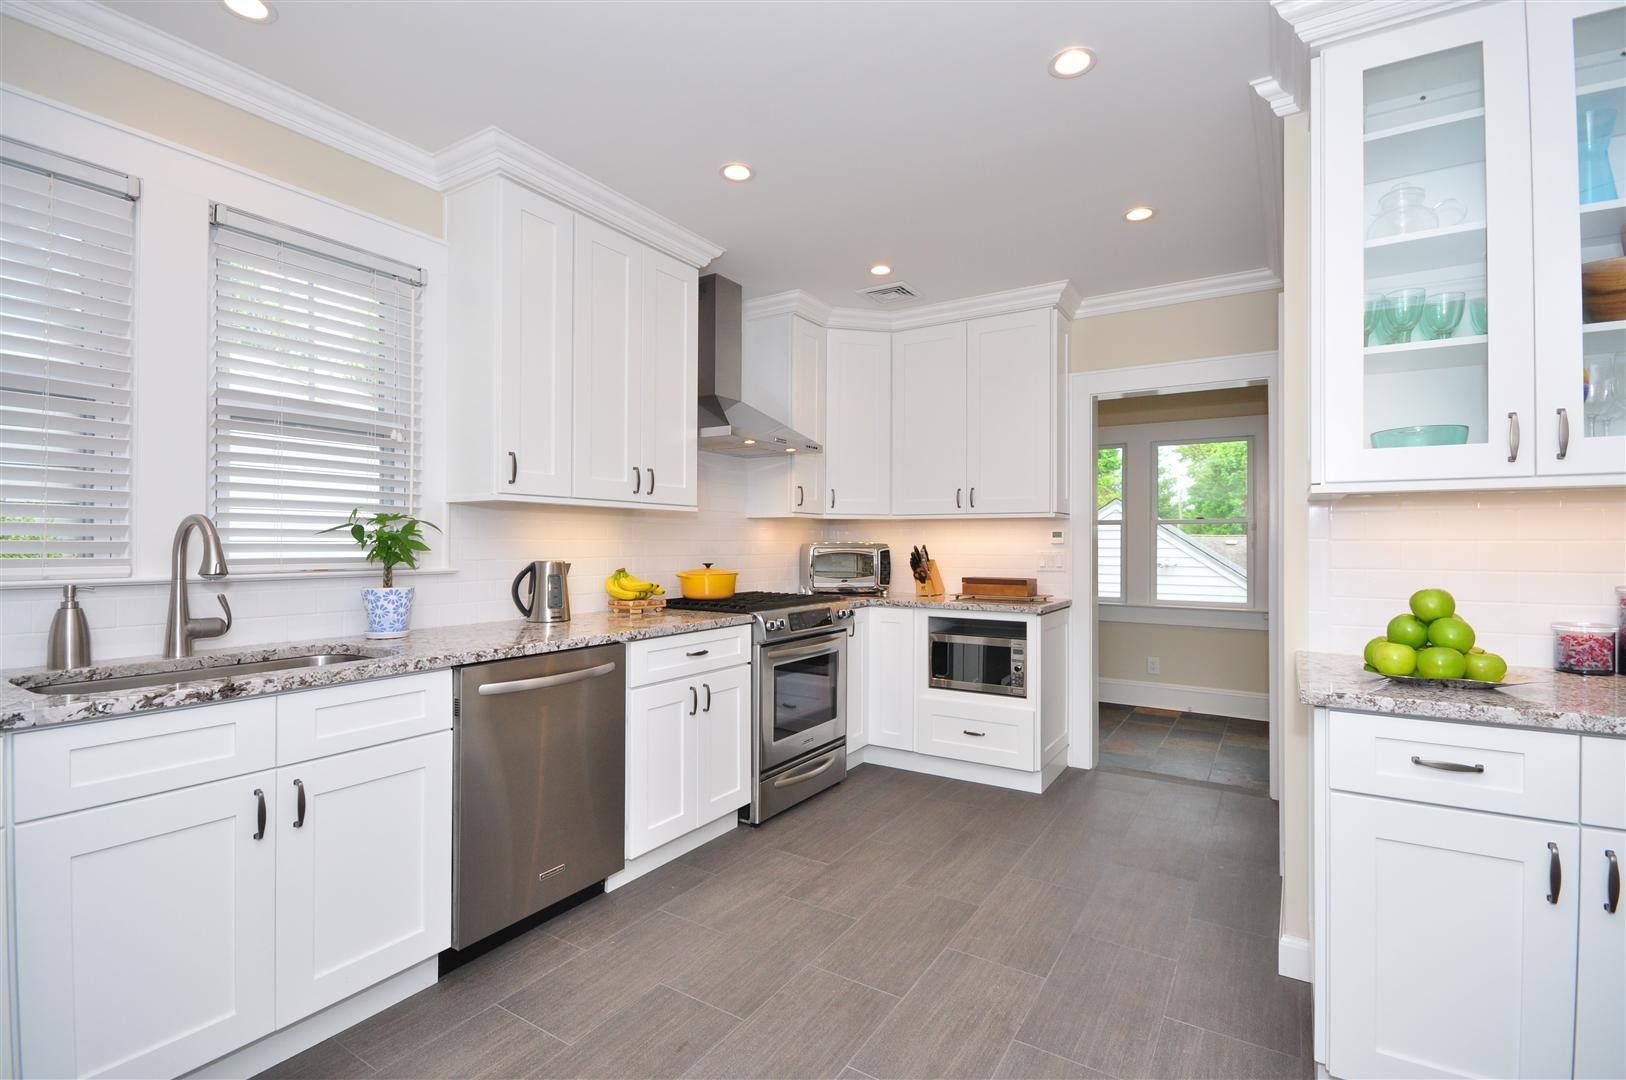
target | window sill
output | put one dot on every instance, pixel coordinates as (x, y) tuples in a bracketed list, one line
[(1160, 615), (304, 577)]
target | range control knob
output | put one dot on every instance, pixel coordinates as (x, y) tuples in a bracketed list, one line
[(845, 613)]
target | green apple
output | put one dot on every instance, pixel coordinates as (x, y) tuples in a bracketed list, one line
[(1441, 662), (1452, 633), (1431, 604), (1370, 645), (1408, 630), (1392, 658), (1485, 667), (1368, 667)]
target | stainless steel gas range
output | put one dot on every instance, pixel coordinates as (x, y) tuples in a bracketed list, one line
[(799, 683)]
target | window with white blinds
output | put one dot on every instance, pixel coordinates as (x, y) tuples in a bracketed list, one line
[(314, 394), (67, 252)]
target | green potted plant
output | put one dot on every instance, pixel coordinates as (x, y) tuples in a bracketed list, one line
[(390, 540)]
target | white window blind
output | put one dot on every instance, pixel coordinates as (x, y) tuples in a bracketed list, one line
[(67, 251), (314, 395)]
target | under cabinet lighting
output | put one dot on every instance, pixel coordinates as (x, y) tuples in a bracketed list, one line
[(1139, 213), (737, 171), (1072, 62), (253, 10)]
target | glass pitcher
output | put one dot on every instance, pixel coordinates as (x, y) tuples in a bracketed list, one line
[(1403, 209)]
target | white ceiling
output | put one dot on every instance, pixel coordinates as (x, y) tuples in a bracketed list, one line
[(926, 135)]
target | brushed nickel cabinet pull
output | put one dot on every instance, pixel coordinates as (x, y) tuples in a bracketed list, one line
[(1555, 873), (1612, 904), (513, 466), (1513, 436), (800, 494), (957, 497), (637, 480), (259, 834), (707, 706), (694, 701), (832, 498), (1563, 433), (651, 473), (973, 494), (1446, 766), (698, 652), (973, 734), (299, 809)]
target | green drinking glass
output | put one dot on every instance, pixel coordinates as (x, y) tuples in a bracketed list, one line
[(1374, 316), (1442, 313), (1402, 311), (1476, 314)]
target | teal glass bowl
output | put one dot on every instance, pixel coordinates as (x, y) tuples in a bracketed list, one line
[(1424, 435)]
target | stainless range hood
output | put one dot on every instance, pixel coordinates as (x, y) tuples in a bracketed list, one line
[(728, 423)]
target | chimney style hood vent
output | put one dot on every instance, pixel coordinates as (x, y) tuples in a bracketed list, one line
[(728, 423)]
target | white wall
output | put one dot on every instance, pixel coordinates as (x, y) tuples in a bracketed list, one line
[(997, 547)]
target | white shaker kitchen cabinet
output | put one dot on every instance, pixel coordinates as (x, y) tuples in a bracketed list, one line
[(663, 783), (807, 409), (723, 742), (7, 1043), (1600, 983), (1450, 953), (149, 947), (784, 375), (1425, 202), (364, 862), (858, 424), (894, 666), (608, 365), (929, 435), (669, 382), (1012, 380), (512, 288), (1576, 69), (858, 668)]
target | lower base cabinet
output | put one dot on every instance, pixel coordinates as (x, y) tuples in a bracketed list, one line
[(145, 943), (1600, 981), (894, 663)]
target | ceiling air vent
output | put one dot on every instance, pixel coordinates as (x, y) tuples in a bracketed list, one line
[(893, 292)]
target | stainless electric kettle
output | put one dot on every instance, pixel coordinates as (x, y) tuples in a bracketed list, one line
[(547, 598)]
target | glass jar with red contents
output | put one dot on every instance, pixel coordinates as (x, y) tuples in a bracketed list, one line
[(1582, 648), (1620, 627)]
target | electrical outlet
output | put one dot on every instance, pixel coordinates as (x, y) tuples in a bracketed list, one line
[(1154, 666)]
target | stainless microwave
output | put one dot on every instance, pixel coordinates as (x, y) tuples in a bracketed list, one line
[(982, 658), (853, 566)]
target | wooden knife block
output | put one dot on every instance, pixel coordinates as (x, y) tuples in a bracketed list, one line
[(933, 585)]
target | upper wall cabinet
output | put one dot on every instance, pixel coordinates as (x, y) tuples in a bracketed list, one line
[(858, 427), (1452, 348), (577, 373), (785, 357)]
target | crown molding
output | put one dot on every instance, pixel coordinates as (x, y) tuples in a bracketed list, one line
[(790, 302), (142, 46), (1179, 292), (1281, 101), (1056, 294), (494, 151), (1322, 22)]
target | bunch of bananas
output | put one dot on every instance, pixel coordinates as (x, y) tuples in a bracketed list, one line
[(623, 586)]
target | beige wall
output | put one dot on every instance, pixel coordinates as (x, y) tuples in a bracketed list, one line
[(38, 62), (1168, 408), (1223, 326), (1204, 656)]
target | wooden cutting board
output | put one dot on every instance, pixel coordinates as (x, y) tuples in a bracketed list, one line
[(1000, 586)]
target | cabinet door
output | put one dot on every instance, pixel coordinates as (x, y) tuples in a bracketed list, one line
[(1011, 380), (807, 359), (607, 366), (1426, 224), (1578, 137), (534, 409), (1448, 958), (364, 869), (149, 929), (858, 433), (723, 742), (893, 678), (663, 783), (671, 381), (1600, 983), (857, 683), (928, 421)]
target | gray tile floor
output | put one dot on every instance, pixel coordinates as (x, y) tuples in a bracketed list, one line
[(897, 925), (1192, 746)]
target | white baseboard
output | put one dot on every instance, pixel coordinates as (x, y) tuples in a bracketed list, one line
[(1293, 958), (993, 775), (279, 1046), (672, 849), (1244, 704), (857, 755)]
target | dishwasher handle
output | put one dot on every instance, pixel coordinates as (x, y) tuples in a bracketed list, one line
[(543, 682)]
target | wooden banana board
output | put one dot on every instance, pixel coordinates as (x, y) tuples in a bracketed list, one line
[(636, 608)]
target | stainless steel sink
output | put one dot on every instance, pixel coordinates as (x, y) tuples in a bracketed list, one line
[(194, 674)]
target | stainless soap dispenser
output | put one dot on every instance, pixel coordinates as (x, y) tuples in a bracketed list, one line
[(68, 644)]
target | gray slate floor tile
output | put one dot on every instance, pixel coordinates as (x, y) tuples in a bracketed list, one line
[(968, 867), (1024, 1062), (1101, 1006), (661, 1033), (605, 916), (492, 1045), (748, 964), (856, 882), (1187, 1053), (325, 1061), (1142, 909), (1024, 923), (897, 939), (744, 888), (1227, 983)]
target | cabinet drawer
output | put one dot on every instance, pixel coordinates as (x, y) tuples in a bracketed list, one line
[(1505, 771), (973, 730), (1603, 782), (126, 757), (336, 719), (683, 655)]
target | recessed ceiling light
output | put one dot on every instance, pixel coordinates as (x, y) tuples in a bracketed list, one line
[(880, 270), (1139, 213), (737, 171), (1072, 62), (790, 449), (253, 10), (750, 442)]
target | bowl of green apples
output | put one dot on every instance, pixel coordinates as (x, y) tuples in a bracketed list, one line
[(1432, 644)]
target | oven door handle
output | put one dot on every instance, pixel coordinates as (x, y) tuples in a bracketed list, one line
[(832, 644), (796, 778)]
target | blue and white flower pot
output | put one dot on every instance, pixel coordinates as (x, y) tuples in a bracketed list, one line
[(388, 612)]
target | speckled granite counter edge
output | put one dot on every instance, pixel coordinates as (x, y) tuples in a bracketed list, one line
[(1044, 607), (1543, 699)]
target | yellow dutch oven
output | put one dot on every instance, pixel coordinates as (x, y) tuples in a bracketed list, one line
[(707, 584)]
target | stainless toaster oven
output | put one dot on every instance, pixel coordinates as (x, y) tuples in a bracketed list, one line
[(853, 567)]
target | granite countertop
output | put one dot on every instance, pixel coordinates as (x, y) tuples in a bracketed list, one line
[(428, 649), (949, 603), (1550, 700)]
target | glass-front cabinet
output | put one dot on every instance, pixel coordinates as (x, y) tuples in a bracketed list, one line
[(1472, 297), (1578, 138)]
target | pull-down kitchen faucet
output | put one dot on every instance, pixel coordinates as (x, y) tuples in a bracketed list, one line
[(180, 628)]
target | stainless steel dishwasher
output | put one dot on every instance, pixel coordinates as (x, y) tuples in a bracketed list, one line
[(541, 780)]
